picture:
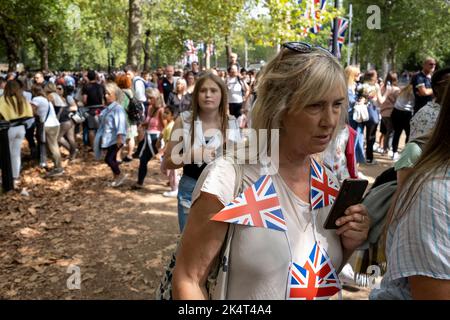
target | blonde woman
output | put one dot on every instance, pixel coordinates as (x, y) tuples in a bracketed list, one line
[(112, 131), (180, 99), (302, 92), (352, 75), (417, 230), (154, 124)]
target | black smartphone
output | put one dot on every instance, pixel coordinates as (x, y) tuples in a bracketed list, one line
[(351, 193)]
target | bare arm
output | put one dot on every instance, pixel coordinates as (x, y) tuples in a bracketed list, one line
[(199, 248), (426, 288), (247, 91), (161, 118), (84, 99), (424, 91), (168, 162), (383, 97), (172, 157), (51, 99)]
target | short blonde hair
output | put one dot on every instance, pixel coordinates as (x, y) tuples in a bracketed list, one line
[(350, 73), (112, 87), (294, 80), (154, 93)]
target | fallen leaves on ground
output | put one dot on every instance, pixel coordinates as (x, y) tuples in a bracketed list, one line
[(77, 220)]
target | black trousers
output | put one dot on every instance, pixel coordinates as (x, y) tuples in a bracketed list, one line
[(235, 109), (400, 122), (29, 135), (146, 155), (5, 158), (111, 158), (371, 131)]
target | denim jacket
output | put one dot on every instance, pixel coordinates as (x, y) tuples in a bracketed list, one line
[(113, 122)]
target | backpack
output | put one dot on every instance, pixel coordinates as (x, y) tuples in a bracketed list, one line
[(135, 110)]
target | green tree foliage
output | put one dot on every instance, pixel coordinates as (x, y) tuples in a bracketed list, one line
[(70, 34), (410, 31)]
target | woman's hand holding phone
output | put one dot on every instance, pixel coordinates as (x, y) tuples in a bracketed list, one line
[(353, 226)]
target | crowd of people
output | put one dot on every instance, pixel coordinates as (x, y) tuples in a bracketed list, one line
[(327, 119), (67, 105)]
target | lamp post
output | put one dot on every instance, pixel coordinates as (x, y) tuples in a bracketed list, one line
[(357, 40), (334, 47), (108, 41)]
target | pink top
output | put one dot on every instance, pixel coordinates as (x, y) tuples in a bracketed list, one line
[(155, 124)]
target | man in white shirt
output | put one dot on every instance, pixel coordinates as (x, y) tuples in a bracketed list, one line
[(138, 89), (238, 91), (138, 83)]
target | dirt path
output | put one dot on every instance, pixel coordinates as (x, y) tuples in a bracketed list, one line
[(119, 238)]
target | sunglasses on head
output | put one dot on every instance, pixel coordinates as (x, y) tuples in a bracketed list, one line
[(303, 47)]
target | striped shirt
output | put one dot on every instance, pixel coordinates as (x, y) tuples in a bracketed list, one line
[(419, 243)]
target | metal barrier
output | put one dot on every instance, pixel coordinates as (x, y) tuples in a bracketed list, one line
[(5, 157)]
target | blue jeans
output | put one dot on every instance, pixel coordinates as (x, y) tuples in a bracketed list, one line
[(185, 189), (359, 140)]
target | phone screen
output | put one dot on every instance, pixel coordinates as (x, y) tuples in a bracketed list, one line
[(351, 193)]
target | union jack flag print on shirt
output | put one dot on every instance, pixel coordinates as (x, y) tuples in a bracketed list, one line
[(324, 189), (257, 206), (317, 279)]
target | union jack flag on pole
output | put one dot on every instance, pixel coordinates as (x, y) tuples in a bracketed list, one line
[(257, 206), (324, 189), (342, 28), (313, 11), (316, 12), (317, 279)]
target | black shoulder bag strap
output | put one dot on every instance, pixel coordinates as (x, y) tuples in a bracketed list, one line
[(48, 111)]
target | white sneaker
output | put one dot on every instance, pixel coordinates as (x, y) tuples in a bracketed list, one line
[(170, 194), (119, 180), (16, 184), (390, 154), (375, 146), (395, 156), (362, 176)]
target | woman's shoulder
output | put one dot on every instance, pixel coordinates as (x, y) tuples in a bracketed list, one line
[(223, 177)]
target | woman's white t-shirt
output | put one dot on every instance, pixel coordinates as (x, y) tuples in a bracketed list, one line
[(260, 257), (234, 90), (43, 106)]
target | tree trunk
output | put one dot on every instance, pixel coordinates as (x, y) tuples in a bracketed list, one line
[(207, 55), (392, 59), (12, 48), (147, 54), (41, 43), (228, 49), (134, 32)]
